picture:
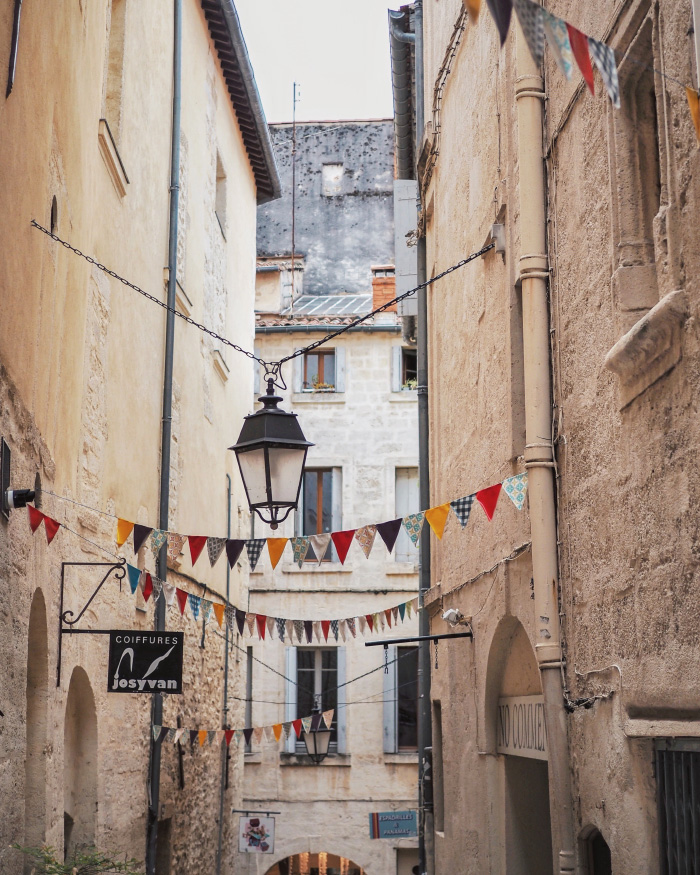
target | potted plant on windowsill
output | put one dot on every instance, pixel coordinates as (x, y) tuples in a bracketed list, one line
[(318, 386), (409, 385)]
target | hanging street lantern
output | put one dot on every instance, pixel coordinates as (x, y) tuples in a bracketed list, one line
[(317, 739), (271, 452)]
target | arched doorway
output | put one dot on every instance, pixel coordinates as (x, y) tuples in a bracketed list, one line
[(36, 725), (596, 853), (79, 764), (315, 864)]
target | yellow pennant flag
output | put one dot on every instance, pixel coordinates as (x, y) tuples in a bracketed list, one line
[(694, 105), (202, 737), (473, 7), (277, 729), (437, 517), (275, 547), (124, 528), (219, 612)]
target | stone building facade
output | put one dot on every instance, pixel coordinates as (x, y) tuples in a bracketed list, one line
[(583, 605), (85, 151)]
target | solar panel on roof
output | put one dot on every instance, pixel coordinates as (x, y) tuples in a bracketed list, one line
[(332, 305)]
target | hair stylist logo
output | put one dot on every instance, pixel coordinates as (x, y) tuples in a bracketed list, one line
[(145, 662)]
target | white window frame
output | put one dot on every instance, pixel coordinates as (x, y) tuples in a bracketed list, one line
[(298, 375), (391, 703), (290, 698)]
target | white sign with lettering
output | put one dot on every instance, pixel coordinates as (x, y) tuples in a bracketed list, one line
[(521, 727)]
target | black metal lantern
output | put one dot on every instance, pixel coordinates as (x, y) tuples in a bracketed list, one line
[(317, 739), (271, 452)]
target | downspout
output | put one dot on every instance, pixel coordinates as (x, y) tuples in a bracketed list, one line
[(224, 717), (539, 455), (696, 39), (166, 428)]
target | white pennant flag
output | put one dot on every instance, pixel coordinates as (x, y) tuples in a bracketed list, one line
[(320, 544)]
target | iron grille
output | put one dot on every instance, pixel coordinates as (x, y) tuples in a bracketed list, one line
[(678, 779)]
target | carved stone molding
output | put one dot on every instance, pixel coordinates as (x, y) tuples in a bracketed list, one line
[(650, 348)]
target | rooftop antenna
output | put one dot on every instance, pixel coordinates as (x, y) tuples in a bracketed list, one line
[(295, 100)]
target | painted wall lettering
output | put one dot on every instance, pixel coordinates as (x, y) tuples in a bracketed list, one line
[(521, 727)]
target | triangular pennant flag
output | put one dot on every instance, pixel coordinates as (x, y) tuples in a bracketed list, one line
[(228, 735), (196, 543), (281, 627), (342, 541), (215, 547), (254, 549), (234, 548), (220, 733), (206, 606), (271, 627), (257, 735), (462, 508), (351, 626), (158, 538), (240, 621), (389, 532), (532, 25), (413, 523), (51, 527), (157, 588), (308, 629), (306, 724), (289, 627), (370, 621), (147, 586), (326, 627), (558, 39), (515, 488), (155, 729), (300, 547), (277, 731), (260, 619), (248, 734), (211, 736), (250, 623), (275, 547), (287, 728), (320, 545), (297, 727), (193, 736), (343, 629), (315, 722), (365, 538), (363, 624), (162, 735), (219, 613), (437, 517), (317, 630), (414, 605), (488, 498), (402, 611), (175, 544), (694, 107), (181, 599), (124, 528), (334, 628), (178, 735), (203, 735), (387, 614), (169, 591), (604, 58), (194, 601), (382, 619), (395, 614), (501, 11), (472, 7), (140, 535), (409, 606), (579, 46), (35, 518), (238, 735), (269, 733), (328, 717), (299, 630), (134, 574), (230, 614)]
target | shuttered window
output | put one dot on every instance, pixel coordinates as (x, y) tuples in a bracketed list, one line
[(678, 780)]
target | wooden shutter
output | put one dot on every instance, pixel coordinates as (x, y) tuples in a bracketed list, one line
[(342, 710), (340, 369), (391, 695), (290, 697)]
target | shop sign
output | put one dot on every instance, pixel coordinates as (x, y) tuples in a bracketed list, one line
[(393, 825), (145, 662), (256, 835), (521, 727)]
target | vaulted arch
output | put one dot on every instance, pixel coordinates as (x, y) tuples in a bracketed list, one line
[(36, 725), (80, 763)]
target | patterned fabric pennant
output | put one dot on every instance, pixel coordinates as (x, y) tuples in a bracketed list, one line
[(328, 717), (299, 630), (196, 545), (437, 517), (579, 46), (194, 602), (351, 626), (157, 588), (215, 547), (462, 508), (234, 548), (175, 544), (287, 728), (334, 628), (147, 586), (515, 488), (219, 609), (275, 547), (306, 724), (169, 736), (254, 548), (237, 735), (178, 735), (604, 58), (558, 39), (343, 628), (488, 499), (36, 518), (250, 623), (230, 615), (501, 11), (342, 541), (124, 528), (134, 575), (389, 532), (140, 535), (281, 628), (320, 545), (532, 25), (271, 627), (206, 607), (365, 538), (51, 527), (158, 538), (181, 599), (169, 591), (413, 523), (300, 547), (155, 729)]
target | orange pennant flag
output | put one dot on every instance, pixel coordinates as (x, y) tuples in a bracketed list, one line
[(437, 517), (202, 737), (275, 547), (694, 105), (124, 528), (277, 729), (219, 612), (473, 7)]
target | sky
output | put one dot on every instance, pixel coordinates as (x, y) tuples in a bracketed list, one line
[(337, 52)]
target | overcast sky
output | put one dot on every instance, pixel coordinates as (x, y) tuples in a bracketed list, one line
[(338, 52)]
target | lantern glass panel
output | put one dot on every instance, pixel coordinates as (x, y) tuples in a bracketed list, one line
[(286, 467), (253, 472)]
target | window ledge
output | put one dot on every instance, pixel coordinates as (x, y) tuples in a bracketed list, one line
[(649, 349), (407, 758), (110, 155), (220, 366), (400, 568), (182, 302), (318, 398), (341, 760), (315, 568), (404, 396), (251, 758)]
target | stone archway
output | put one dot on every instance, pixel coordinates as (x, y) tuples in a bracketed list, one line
[(321, 863), (80, 763), (36, 726)]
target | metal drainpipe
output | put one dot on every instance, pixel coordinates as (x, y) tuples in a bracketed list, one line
[(166, 429), (696, 38), (426, 849), (539, 455), (224, 721)]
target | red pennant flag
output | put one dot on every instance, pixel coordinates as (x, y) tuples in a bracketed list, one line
[(196, 543), (51, 527), (387, 614), (579, 46), (370, 622), (228, 734), (488, 498), (342, 541), (325, 625), (181, 600), (297, 727), (260, 619), (35, 518), (147, 587)]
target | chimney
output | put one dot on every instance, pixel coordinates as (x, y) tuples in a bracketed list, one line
[(383, 286)]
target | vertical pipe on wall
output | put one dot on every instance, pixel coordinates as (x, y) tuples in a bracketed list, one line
[(539, 455), (166, 427), (696, 38)]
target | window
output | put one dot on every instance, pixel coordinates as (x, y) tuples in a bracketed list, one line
[(678, 779), (320, 506), (220, 205), (384, 270), (114, 72), (597, 855), (438, 774), (319, 371), (407, 501), (404, 368), (401, 700), (319, 673), (332, 179)]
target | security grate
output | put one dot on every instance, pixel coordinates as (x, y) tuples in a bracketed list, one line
[(678, 780)]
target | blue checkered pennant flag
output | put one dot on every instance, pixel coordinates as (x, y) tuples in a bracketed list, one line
[(462, 508), (194, 602), (254, 548), (604, 58), (532, 24), (515, 488)]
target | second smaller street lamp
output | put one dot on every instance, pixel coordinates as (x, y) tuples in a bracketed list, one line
[(271, 452), (317, 739)]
